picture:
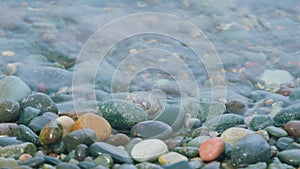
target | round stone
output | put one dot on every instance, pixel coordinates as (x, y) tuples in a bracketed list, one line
[(67, 124), (293, 128), (118, 140), (171, 157), (260, 122), (276, 131), (121, 114), (25, 157), (51, 134), (82, 136), (40, 101), (81, 152), (234, 134), (250, 149), (13, 88), (95, 122), (287, 114), (9, 111), (148, 150), (151, 129), (211, 148), (291, 157)]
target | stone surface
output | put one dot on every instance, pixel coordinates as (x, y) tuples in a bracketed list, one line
[(121, 114), (34, 162), (104, 160), (13, 88), (37, 123), (39, 101), (151, 129), (287, 114), (67, 124), (66, 165), (196, 142), (51, 133), (82, 136), (293, 128), (9, 111), (8, 163), (7, 140), (225, 121), (119, 155), (81, 152), (16, 150), (95, 122), (119, 139), (189, 152), (170, 158), (178, 165), (147, 165), (211, 148), (27, 135), (234, 134), (28, 114), (291, 157), (276, 131), (9, 129), (148, 150), (250, 149), (260, 122)]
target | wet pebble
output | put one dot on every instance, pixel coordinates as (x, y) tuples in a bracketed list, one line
[(7, 140), (26, 134), (196, 142), (82, 136), (287, 114), (148, 150), (81, 152), (28, 114), (189, 152), (34, 162), (121, 114), (283, 142), (66, 165), (9, 111), (211, 148), (39, 122), (212, 165), (104, 160), (151, 129), (67, 124), (250, 149), (16, 150), (147, 165), (260, 122), (234, 134), (170, 158), (51, 133), (291, 157), (178, 165), (119, 155), (86, 165), (95, 122), (13, 88), (293, 128), (52, 160), (276, 131), (9, 129), (225, 121), (127, 166), (25, 157), (119, 139), (40, 101), (8, 163)]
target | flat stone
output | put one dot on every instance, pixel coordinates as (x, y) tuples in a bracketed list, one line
[(207, 107), (116, 153), (224, 121), (170, 158), (121, 114), (7, 140), (287, 114), (147, 165), (104, 160), (86, 165), (9, 111), (148, 150), (234, 134), (151, 129), (34, 162), (211, 148), (293, 128), (40, 101), (276, 131), (127, 166), (212, 165), (82, 136), (65, 165), (189, 152), (95, 122), (13, 88), (250, 149), (291, 157), (276, 77), (39, 122)]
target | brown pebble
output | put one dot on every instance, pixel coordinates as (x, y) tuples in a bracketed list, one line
[(25, 157), (293, 128), (67, 124), (211, 148), (118, 140)]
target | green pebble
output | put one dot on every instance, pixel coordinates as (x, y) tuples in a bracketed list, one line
[(196, 142), (260, 122), (28, 114), (276, 132), (189, 152), (259, 165), (105, 160), (287, 114), (291, 157), (224, 121), (147, 165)]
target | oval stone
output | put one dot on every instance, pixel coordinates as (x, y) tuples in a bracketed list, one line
[(287, 114), (95, 122), (9, 129), (9, 111), (148, 150), (121, 114), (26, 134), (224, 121), (28, 114), (13, 88), (276, 131), (67, 124), (52, 133), (293, 128), (151, 129), (234, 134), (40, 101), (250, 149), (291, 157), (171, 157), (211, 148), (119, 139), (260, 122), (39, 122), (82, 136)]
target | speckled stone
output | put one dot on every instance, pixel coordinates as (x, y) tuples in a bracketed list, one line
[(26, 134), (234, 134), (189, 152), (224, 121), (170, 158), (260, 122), (40, 101), (9, 111), (287, 114), (148, 150)]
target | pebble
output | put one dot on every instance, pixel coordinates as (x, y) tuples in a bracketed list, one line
[(119, 155), (26, 134), (52, 160), (9, 129), (34, 162), (132, 143), (234, 134), (295, 96), (196, 142), (39, 122), (291, 157), (212, 165), (81, 152), (28, 114), (236, 107), (283, 142), (147, 165), (65, 165), (95, 122), (9, 111), (82, 136), (276, 132), (259, 165), (260, 122), (51, 133), (127, 166), (148, 150), (178, 165), (13, 88), (224, 121), (67, 124), (170, 158), (7, 140), (118, 139), (206, 107), (104, 160), (121, 114), (86, 165), (189, 152), (151, 129), (211, 148), (250, 149), (8, 163), (16, 150), (287, 114), (293, 128), (39, 101)]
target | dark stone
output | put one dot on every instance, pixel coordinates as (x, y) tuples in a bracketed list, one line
[(291, 157), (51, 133), (39, 122), (34, 162), (86, 165), (178, 165), (250, 149), (65, 165), (224, 121), (52, 160), (127, 166), (147, 165), (82, 136), (287, 114), (151, 129), (9, 111), (189, 152), (212, 165), (260, 122), (81, 152), (116, 153), (39, 101), (5, 141), (27, 135), (28, 114)]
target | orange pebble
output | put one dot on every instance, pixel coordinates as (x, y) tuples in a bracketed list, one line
[(211, 148)]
